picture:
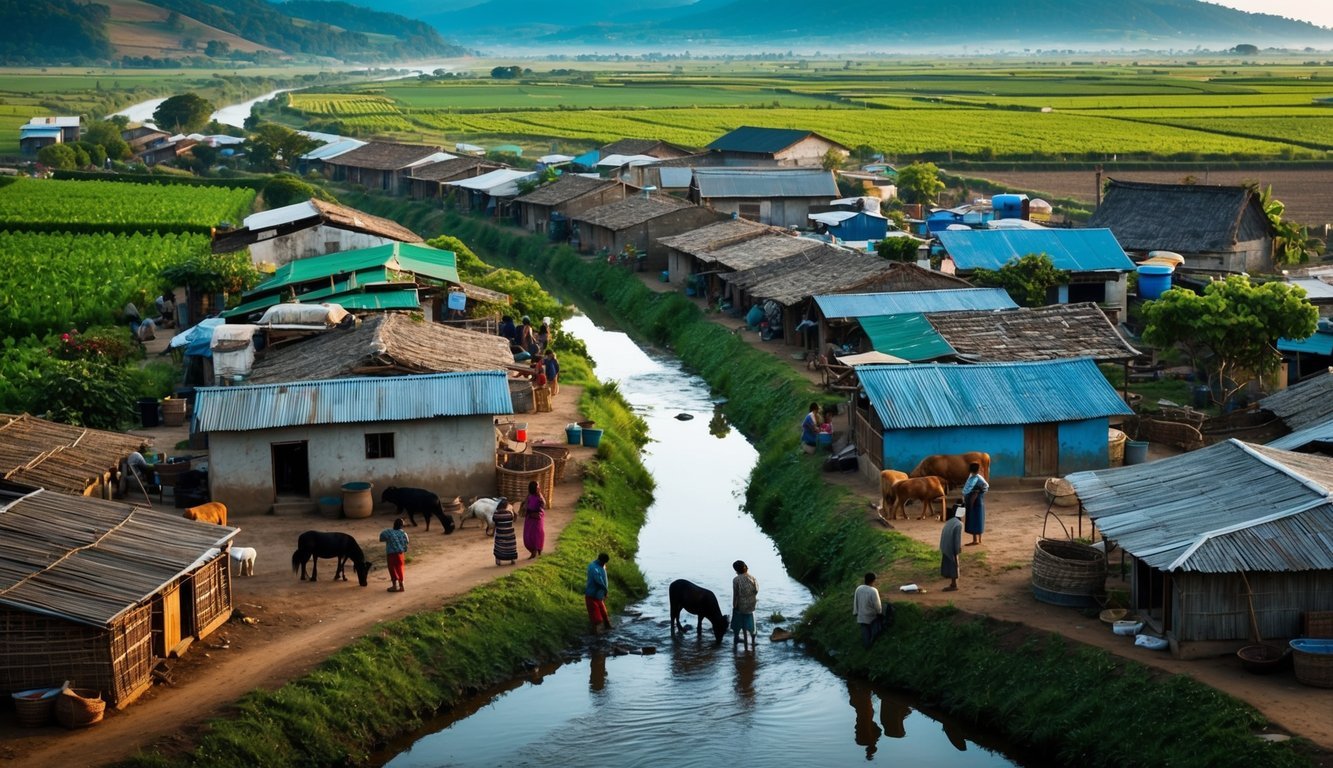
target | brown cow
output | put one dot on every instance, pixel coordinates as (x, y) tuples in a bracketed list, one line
[(924, 489), (212, 512), (952, 467), (887, 479)]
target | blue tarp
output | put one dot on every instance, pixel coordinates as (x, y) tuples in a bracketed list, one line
[(196, 340)]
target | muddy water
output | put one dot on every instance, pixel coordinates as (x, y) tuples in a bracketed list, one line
[(695, 702)]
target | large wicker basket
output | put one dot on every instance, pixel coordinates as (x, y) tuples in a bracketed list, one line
[(1067, 573), (33, 708), (1313, 659), (1115, 446), (559, 454), (514, 471), (79, 707), (520, 392)]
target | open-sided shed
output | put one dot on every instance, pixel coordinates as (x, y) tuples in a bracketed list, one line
[(94, 591), (37, 453)]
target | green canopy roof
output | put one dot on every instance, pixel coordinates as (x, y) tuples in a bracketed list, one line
[(909, 336)]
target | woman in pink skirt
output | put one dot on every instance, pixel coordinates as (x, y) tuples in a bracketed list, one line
[(534, 521)]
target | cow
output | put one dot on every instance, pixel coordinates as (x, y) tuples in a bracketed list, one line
[(952, 467), (701, 602), (312, 545), (924, 489), (414, 500), (887, 479), (212, 512)]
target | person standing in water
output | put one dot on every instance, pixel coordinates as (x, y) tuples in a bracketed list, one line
[(744, 596), (594, 594)]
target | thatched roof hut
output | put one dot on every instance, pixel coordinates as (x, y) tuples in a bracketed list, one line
[(1045, 333), (45, 454), (383, 345), (93, 591)]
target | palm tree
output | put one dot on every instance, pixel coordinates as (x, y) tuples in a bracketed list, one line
[(1293, 243)]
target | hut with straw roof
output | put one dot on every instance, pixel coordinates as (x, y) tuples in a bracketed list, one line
[(36, 453), (95, 591)]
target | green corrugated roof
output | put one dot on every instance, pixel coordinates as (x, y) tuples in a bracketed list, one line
[(420, 259), (380, 300), (909, 336)]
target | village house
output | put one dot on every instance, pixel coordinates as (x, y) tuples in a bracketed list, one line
[(662, 150), (840, 315), (1028, 334), (782, 197), (689, 260), (753, 146), (44, 131), (1098, 267), (312, 228), (490, 193), (141, 137), (166, 151), (331, 146), (1215, 228), (547, 209), (1035, 419), (381, 165), (98, 592), (1306, 409), (426, 182), (36, 453), (285, 445), (638, 221), (1228, 542), (850, 225)]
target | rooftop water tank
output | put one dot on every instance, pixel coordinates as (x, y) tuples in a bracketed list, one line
[(1154, 280), (1010, 206)]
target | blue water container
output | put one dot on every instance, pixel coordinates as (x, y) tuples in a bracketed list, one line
[(1154, 280), (574, 434)]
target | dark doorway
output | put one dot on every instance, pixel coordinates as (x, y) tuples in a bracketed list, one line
[(291, 469)]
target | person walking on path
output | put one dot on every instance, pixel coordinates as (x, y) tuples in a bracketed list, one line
[(527, 337), (744, 596), (594, 594), (506, 544), (951, 546), (869, 610), (809, 428), (974, 502), (552, 373), (534, 521), (395, 550)]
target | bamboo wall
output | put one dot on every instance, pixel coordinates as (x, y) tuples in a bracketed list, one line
[(1216, 606), (40, 651)]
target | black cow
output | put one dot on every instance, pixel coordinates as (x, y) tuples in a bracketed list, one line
[(414, 500), (700, 602), (313, 545)]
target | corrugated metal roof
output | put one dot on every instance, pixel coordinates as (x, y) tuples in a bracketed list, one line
[(1229, 507), (1077, 250), (407, 299), (1314, 344), (500, 183), (407, 257), (351, 401), (1315, 289), (765, 183), (749, 138), (903, 302), (944, 395), (675, 178), (1321, 432), (88, 560), (1305, 403), (908, 336)]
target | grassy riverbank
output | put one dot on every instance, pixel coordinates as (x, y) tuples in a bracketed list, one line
[(385, 683), (1043, 693)]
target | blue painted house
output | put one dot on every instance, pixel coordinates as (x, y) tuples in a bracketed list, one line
[(851, 225), (1044, 418), (1097, 265)]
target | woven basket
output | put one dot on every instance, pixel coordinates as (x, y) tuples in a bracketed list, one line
[(1263, 658), (1317, 624), (518, 469), (1115, 446), (520, 391), (1313, 668), (1068, 568), (79, 707), (1060, 493), (32, 709), (559, 454)]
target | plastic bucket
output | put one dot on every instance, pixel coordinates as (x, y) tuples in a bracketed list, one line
[(331, 506), (574, 434), (1136, 452), (824, 440), (173, 412), (520, 433), (665, 276), (592, 438)]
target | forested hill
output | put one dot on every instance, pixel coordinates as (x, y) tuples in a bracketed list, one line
[(52, 30), (414, 34)]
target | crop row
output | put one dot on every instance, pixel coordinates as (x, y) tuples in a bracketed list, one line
[(107, 205), (342, 105), (57, 281)]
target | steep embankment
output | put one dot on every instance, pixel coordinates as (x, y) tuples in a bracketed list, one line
[(1042, 692)]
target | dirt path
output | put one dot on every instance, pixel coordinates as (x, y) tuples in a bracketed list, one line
[(297, 624)]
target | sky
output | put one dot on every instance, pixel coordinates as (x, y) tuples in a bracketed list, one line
[(1316, 11)]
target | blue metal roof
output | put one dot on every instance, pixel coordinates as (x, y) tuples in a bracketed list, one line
[(902, 302), (351, 401), (1229, 507), (1315, 344), (765, 182), (1077, 250), (1321, 432), (945, 395)]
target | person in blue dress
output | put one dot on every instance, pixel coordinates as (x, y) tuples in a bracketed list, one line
[(810, 428), (974, 501)]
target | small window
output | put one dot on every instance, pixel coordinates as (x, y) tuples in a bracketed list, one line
[(379, 445), (750, 211)]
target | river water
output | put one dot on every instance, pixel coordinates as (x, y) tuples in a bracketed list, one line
[(693, 703), (232, 114)]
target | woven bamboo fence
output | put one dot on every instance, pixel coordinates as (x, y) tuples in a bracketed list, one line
[(212, 595), (42, 651)]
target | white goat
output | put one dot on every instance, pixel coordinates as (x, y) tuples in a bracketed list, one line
[(482, 509), (245, 558)]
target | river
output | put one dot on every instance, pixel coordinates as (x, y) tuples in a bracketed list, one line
[(694, 702)]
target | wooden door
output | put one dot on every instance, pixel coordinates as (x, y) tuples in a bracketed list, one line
[(167, 622), (1041, 450)]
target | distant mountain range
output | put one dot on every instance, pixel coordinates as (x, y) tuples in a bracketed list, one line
[(889, 26), (81, 31)]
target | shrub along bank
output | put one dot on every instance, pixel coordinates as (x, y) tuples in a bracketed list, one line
[(1040, 691), (382, 685)]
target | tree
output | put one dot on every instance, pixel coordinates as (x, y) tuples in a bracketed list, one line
[(183, 113), (274, 147), (1231, 330), (920, 183), (58, 156), (1245, 49), (286, 189), (832, 160), (1292, 243), (506, 73), (898, 248), (217, 48), (1028, 279)]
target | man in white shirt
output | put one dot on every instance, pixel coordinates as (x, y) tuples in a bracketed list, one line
[(869, 610)]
